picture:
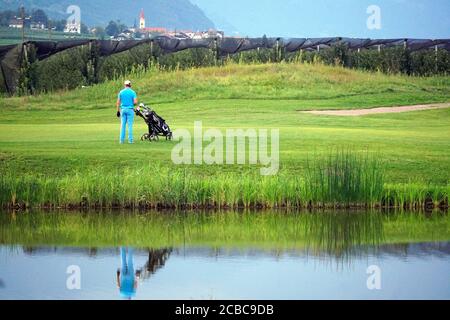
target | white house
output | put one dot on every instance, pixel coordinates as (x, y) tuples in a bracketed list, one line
[(16, 23)]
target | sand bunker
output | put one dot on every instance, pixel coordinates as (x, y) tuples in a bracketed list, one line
[(364, 112)]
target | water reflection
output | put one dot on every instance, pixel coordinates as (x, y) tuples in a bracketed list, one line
[(267, 255), (409, 271), (339, 234), (343, 234), (156, 260), (127, 279)]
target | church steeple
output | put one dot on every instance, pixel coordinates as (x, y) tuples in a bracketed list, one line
[(142, 20)]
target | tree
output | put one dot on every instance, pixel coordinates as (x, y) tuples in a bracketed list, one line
[(39, 16), (99, 32), (6, 16), (122, 27), (59, 25), (84, 29), (112, 29)]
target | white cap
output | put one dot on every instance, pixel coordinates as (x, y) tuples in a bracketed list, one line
[(128, 83)]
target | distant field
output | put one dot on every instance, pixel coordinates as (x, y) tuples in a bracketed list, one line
[(66, 132), (14, 36)]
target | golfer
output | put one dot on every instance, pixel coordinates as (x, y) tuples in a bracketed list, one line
[(126, 101)]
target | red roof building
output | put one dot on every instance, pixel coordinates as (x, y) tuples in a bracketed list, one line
[(154, 30)]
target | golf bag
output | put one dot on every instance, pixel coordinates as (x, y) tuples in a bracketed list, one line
[(157, 126)]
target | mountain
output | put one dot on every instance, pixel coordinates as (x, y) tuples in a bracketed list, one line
[(171, 14), (215, 11), (222, 23)]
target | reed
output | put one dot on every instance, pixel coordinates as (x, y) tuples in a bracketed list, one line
[(343, 179)]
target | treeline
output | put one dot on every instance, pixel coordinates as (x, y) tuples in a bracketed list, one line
[(393, 60), (82, 66), (36, 16)]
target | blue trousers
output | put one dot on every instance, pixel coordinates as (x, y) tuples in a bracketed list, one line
[(127, 289), (127, 264), (127, 118)]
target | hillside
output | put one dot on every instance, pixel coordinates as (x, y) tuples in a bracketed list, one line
[(172, 14)]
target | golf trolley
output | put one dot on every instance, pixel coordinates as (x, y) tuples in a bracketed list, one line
[(157, 126)]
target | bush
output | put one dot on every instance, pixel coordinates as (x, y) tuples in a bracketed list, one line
[(67, 70)]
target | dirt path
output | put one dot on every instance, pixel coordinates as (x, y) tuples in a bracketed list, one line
[(364, 112)]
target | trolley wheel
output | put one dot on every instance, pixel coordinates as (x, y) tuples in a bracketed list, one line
[(145, 137)]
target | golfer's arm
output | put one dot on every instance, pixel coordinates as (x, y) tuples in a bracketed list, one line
[(135, 101), (118, 104)]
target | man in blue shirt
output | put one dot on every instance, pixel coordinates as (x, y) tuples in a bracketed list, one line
[(126, 101)]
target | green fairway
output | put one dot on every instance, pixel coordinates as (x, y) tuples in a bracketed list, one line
[(55, 135)]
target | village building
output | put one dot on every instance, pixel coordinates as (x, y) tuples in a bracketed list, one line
[(16, 23), (37, 26), (141, 30), (144, 29)]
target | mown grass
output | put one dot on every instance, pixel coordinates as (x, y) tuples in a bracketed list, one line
[(332, 232), (66, 142)]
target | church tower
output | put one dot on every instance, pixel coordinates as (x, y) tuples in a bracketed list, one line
[(142, 20)]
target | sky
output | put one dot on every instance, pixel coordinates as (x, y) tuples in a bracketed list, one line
[(328, 18)]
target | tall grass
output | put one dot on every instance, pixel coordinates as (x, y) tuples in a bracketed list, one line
[(345, 178), (416, 195), (341, 180)]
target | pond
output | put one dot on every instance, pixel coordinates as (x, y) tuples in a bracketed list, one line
[(224, 255)]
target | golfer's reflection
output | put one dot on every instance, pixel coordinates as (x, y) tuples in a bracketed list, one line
[(128, 278)]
